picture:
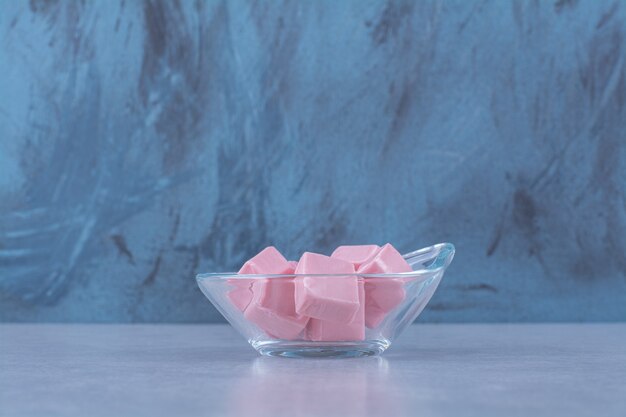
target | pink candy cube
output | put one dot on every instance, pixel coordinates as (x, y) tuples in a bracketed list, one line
[(356, 254), (272, 308), (268, 261), (334, 298), (270, 302), (383, 294), (330, 331), (241, 294)]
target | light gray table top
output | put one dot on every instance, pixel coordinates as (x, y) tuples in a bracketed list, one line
[(208, 370)]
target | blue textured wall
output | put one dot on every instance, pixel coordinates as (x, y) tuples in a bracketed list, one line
[(141, 143)]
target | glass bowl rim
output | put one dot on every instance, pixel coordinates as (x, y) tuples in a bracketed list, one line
[(442, 254)]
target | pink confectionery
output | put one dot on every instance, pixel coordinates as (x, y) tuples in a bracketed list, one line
[(241, 293), (293, 265), (268, 261), (276, 294), (330, 298), (271, 300), (387, 260), (272, 309), (329, 331), (356, 254), (383, 294)]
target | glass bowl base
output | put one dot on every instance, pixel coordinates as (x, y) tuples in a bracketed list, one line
[(301, 349)]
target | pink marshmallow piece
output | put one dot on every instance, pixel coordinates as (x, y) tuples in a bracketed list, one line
[(269, 303), (272, 309), (387, 260), (328, 331), (356, 254), (334, 298), (241, 293), (268, 261), (276, 294), (383, 294)]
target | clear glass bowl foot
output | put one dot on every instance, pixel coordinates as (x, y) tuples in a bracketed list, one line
[(320, 349)]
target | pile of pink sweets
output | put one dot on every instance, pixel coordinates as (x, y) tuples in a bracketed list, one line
[(320, 308)]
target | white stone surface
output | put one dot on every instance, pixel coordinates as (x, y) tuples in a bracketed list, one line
[(209, 370)]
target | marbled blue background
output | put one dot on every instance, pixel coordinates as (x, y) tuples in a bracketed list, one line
[(143, 142)]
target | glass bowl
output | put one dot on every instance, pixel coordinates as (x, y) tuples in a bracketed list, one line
[(272, 333)]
